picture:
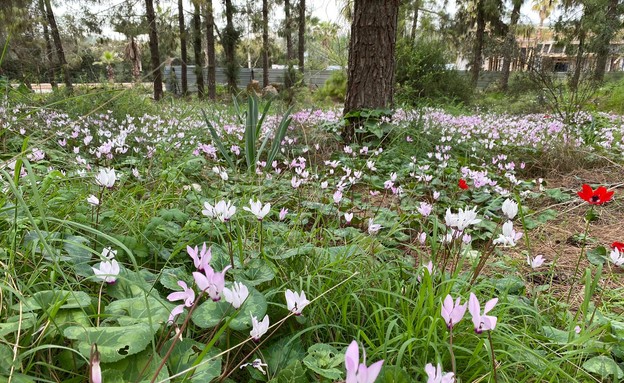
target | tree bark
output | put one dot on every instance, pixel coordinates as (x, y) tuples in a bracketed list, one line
[(230, 38), (302, 28), (48, 47), (210, 50), (478, 44), (58, 44), (289, 45), (370, 82), (574, 81), (197, 49), (510, 44), (153, 44), (415, 20), (183, 52), (604, 39), (265, 43)]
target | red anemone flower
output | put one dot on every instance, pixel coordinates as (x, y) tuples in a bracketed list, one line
[(462, 184), (595, 197), (618, 245)]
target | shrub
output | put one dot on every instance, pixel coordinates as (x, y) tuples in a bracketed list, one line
[(422, 74), (335, 87)]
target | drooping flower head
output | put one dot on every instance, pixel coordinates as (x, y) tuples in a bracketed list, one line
[(358, 372), (595, 197)]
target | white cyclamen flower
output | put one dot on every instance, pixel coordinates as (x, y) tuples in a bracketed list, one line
[(257, 209), (617, 257), (509, 236), (462, 219), (237, 295), (510, 208), (373, 228), (296, 302), (107, 271), (106, 178), (535, 262), (93, 200), (259, 328)]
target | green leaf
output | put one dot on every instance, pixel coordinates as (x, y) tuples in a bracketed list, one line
[(293, 373), (217, 141), (12, 324), (254, 273), (18, 378), (209, 313), (393, 374), (114, 343), (306, 249), (555, 335), (604, 367), (67, 298), (558, 195), (323, 360), (139, 309), (136, 368), (6, 358), (169, 277), (510, 285), (597, 256), (185, 352)]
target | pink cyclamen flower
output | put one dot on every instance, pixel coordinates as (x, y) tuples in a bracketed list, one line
[(95, 370), (187, 295), (482, 322), (348, 217), (296, 302), (358, 372), (452, 313), (283, 213), (337, 196), (201, 260), (425, 209), (535, 262), (211, 282), (436, 375)]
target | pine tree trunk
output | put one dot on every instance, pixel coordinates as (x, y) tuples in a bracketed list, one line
[(230, 37), (302, 28), (415, 20), (153, 44), (372, 46), (289, 45), (604, 40), (265, 43), (510, 44), (197, 49), (478, 44), (210, 50), (183, 52), (58, 44), (574, 81), (48, 47)]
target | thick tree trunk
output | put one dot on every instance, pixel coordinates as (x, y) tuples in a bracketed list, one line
[(230, 37), (265, 43), (48, 47), (370, 81), (478, 44), (183, 52), (210, 50), (604, 39), (415, 20), (302, 28), (197, 49), (289, 45), (153, 44), (58, 44), (510, 44)]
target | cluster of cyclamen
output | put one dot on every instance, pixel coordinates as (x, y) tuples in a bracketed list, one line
[(212, 283)]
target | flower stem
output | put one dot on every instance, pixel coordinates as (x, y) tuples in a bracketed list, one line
[(578, 261), (453, 365), (493, 357)]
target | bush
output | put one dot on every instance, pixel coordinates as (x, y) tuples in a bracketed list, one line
[(335, 87), (422, 74)]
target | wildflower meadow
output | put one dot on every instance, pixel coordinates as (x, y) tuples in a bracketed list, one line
[(244, 242)]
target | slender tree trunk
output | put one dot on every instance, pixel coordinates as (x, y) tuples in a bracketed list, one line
[(574, 81), (48, 47), (289, 45), (510, 44), (230, 38), (302, 28), (478, 44), (197, 49), (265, 43), (183, 52), (153, 44), (415, 20), (58, 44), (372, 46), (210, 50), (604, 39)]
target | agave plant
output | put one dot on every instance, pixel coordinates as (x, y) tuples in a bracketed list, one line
[(254, 146)]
